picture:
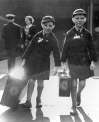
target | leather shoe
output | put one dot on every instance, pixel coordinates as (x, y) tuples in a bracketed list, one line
[(27, 104)]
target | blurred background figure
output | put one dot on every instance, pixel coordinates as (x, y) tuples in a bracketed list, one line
[(28, 31), (11, 35)]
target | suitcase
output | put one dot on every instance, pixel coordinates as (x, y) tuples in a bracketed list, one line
[(64, 84), (12, 92)]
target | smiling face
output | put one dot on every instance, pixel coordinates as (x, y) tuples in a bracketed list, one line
[(79, 20), (48, 27)]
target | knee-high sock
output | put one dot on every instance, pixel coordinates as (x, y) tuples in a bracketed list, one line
[(74, 92), (39, 90), (30, 89), (81, 86)]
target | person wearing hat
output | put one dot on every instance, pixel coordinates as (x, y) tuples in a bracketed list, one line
[(28, 31), (10, 16), (80, 55), (36, 58), (11, 36)]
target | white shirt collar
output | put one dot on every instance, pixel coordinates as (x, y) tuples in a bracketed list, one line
[(78, 29)]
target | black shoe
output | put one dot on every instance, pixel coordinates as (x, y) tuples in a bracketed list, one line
[(38, 105), (38, 102), (74, 111), (78, 100), (27, 104)]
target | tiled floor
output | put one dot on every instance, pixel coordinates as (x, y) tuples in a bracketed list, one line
[(55, 108)]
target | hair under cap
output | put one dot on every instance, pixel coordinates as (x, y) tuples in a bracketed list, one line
[(79, 12), (47, 19), (10, 16)]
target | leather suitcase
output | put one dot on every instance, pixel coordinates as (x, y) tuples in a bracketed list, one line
[(64, 85), (12, 92)]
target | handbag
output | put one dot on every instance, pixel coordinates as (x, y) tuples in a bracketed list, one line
[(64, 84)]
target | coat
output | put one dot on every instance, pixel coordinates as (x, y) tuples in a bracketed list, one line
[(11, 36), (37, 55), (79, 51)]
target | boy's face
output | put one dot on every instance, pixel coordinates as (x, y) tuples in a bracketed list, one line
[(48, 27), (79, 20)]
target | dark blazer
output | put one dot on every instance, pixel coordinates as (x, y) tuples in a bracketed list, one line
[(78, 47), (37, 54), (11, 36)]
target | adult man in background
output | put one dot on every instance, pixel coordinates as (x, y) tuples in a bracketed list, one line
[(11, 36)]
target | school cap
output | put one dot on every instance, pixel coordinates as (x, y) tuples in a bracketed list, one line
[(10, 16), (79, 12), (47, 19)]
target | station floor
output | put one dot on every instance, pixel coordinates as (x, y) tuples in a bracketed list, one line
[(55, 108)]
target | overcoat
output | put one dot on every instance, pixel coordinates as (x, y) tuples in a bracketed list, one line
[(37, 55), (11, 36), (79, 51)]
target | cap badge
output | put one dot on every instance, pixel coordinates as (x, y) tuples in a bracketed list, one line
[(77, 36)]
